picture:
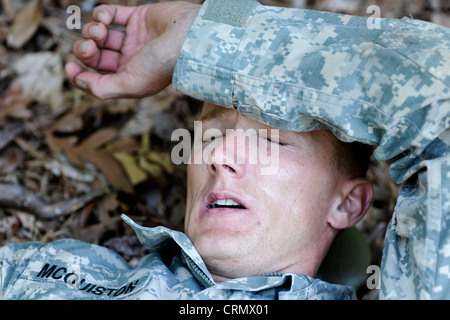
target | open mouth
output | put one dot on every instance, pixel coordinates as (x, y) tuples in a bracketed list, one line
[(225, 203)]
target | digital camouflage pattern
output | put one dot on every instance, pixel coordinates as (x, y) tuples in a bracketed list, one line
[(390, 87), (70, 269)]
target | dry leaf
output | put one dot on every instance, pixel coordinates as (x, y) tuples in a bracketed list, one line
[(13, 104), (111, 169), (154, 162), (93, 232), (11, 159), (163, 159), (88, 151), (134, 172), (98, 138), (30, 149), (41, 76), (76, 153), (154, 170), (4, 55), (62, 144), (146, 109), (9, 132), (71, 122), (25, 24), (61, 167), (127, 144)]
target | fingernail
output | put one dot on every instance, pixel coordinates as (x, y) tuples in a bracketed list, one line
[(83, 47), (93, 31), (101, 17), (81, 84)]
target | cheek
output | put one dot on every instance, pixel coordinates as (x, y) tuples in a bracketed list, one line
[(301, 219), (303, 188), (195, 180), (191, 186), (197, 176)]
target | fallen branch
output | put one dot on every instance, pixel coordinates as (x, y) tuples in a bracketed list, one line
[(16, 197)]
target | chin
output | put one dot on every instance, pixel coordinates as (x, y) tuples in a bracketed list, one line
[(220, 245)]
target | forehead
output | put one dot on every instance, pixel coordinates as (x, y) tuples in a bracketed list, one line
[(229, 117), (211, 111), (319, 144)]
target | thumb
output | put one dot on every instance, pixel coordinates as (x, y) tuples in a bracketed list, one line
[(102, 86)]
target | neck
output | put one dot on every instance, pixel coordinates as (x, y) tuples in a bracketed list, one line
[(308, 264)]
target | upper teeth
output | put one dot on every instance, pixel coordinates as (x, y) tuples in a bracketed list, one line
[(225, 202)]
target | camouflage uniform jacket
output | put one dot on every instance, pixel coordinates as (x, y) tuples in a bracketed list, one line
[(384, 82), (70, 269)]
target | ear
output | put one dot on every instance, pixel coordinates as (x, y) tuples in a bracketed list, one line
[(356, 198)]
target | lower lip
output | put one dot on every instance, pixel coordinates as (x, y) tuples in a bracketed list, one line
[(223, 211)]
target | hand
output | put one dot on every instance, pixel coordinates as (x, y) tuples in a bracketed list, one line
[(139, 61)]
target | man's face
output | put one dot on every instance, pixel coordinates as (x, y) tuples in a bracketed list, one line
[(279, 220)]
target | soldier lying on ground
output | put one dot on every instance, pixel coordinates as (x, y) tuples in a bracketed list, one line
[(306, 73)]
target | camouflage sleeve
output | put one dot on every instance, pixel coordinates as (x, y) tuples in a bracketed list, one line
[(387, 86)]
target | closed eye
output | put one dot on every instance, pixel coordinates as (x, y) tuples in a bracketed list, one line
[(276, 141), (210, 138), (211, 134)]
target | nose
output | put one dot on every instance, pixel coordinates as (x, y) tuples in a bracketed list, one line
[(230, 156), (223, 169)]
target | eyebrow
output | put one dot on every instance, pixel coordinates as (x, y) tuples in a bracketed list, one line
[(215, 113)]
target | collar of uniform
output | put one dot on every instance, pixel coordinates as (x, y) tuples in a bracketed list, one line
[(154, 239), (297, 287)]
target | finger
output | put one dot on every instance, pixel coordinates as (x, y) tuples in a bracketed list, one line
[(105, 38), (96, 84), (92, 56), (87, 52), (109, 60), (73, 69), (95, 31), (113, 14), (103, 86), (114, 40)]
